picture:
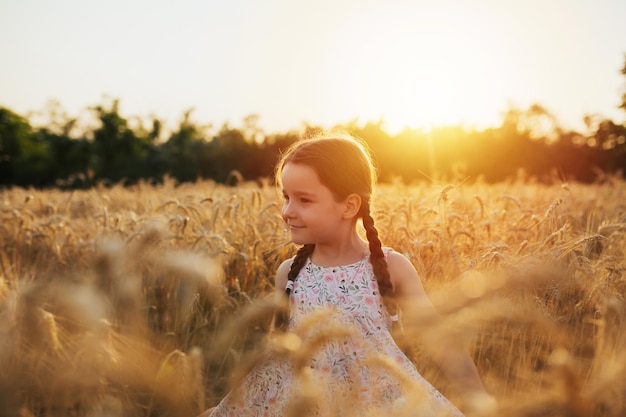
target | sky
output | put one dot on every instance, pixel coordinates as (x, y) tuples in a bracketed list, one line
[(410, 63)]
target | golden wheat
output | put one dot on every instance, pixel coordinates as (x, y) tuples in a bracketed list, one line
[(154, 300)]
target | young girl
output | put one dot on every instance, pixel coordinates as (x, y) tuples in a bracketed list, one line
[(327, 186)]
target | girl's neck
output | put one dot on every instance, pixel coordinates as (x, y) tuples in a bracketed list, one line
[(343, 253)]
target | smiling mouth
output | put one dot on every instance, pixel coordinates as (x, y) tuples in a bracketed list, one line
[(291, 226)]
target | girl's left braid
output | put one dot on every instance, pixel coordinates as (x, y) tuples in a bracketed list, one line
[(298, 262), (377, 256), (378, 261)]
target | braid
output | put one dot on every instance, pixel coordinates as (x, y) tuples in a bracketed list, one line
[(298, 262), (377, 259)]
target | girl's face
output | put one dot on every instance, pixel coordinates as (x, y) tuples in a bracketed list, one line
[(309, 209)]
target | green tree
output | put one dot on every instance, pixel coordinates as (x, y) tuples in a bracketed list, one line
[(183, 148), (69, 158), (119, 153), (230, 152), (14, 133)]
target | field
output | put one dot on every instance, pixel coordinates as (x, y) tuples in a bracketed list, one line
[(145, 301)]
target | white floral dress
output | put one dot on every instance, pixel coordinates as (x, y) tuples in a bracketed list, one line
[(357, 369)]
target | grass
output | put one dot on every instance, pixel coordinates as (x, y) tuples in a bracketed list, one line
[(151, 300)]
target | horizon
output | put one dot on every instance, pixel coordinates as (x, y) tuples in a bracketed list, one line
[(412, 64)]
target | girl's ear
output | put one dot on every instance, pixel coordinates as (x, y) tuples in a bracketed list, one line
[(352, 206)]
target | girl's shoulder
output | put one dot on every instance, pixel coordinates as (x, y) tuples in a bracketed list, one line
[(282, 272), (286, 264), (396, 261), (391, 255), (403, 275)]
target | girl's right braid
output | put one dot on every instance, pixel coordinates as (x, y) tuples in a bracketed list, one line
[(298, 262)]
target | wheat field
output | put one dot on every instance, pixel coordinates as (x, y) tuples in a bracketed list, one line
[(152, 300)]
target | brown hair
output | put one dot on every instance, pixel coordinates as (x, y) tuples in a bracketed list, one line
[(344, 165)]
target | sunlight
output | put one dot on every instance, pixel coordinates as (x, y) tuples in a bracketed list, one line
[(414, 71)]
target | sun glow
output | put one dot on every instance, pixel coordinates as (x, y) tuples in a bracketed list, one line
[(436, 68)]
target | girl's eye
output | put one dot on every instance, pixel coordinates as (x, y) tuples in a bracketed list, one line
[(305, 200)]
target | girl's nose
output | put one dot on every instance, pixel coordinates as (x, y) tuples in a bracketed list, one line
[(287, 211)]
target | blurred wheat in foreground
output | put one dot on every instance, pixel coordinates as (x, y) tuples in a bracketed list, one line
[(153, 301)]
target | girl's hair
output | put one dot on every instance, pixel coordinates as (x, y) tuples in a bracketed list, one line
[(344, 165)]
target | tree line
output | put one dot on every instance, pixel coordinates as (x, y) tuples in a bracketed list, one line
[(528, 142)]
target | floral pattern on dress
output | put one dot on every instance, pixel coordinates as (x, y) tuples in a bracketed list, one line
[(340, 372)]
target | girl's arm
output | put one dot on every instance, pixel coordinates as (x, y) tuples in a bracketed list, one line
[(280, 282), (416, 308)]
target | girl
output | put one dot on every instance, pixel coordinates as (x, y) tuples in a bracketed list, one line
[(327, 186)]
